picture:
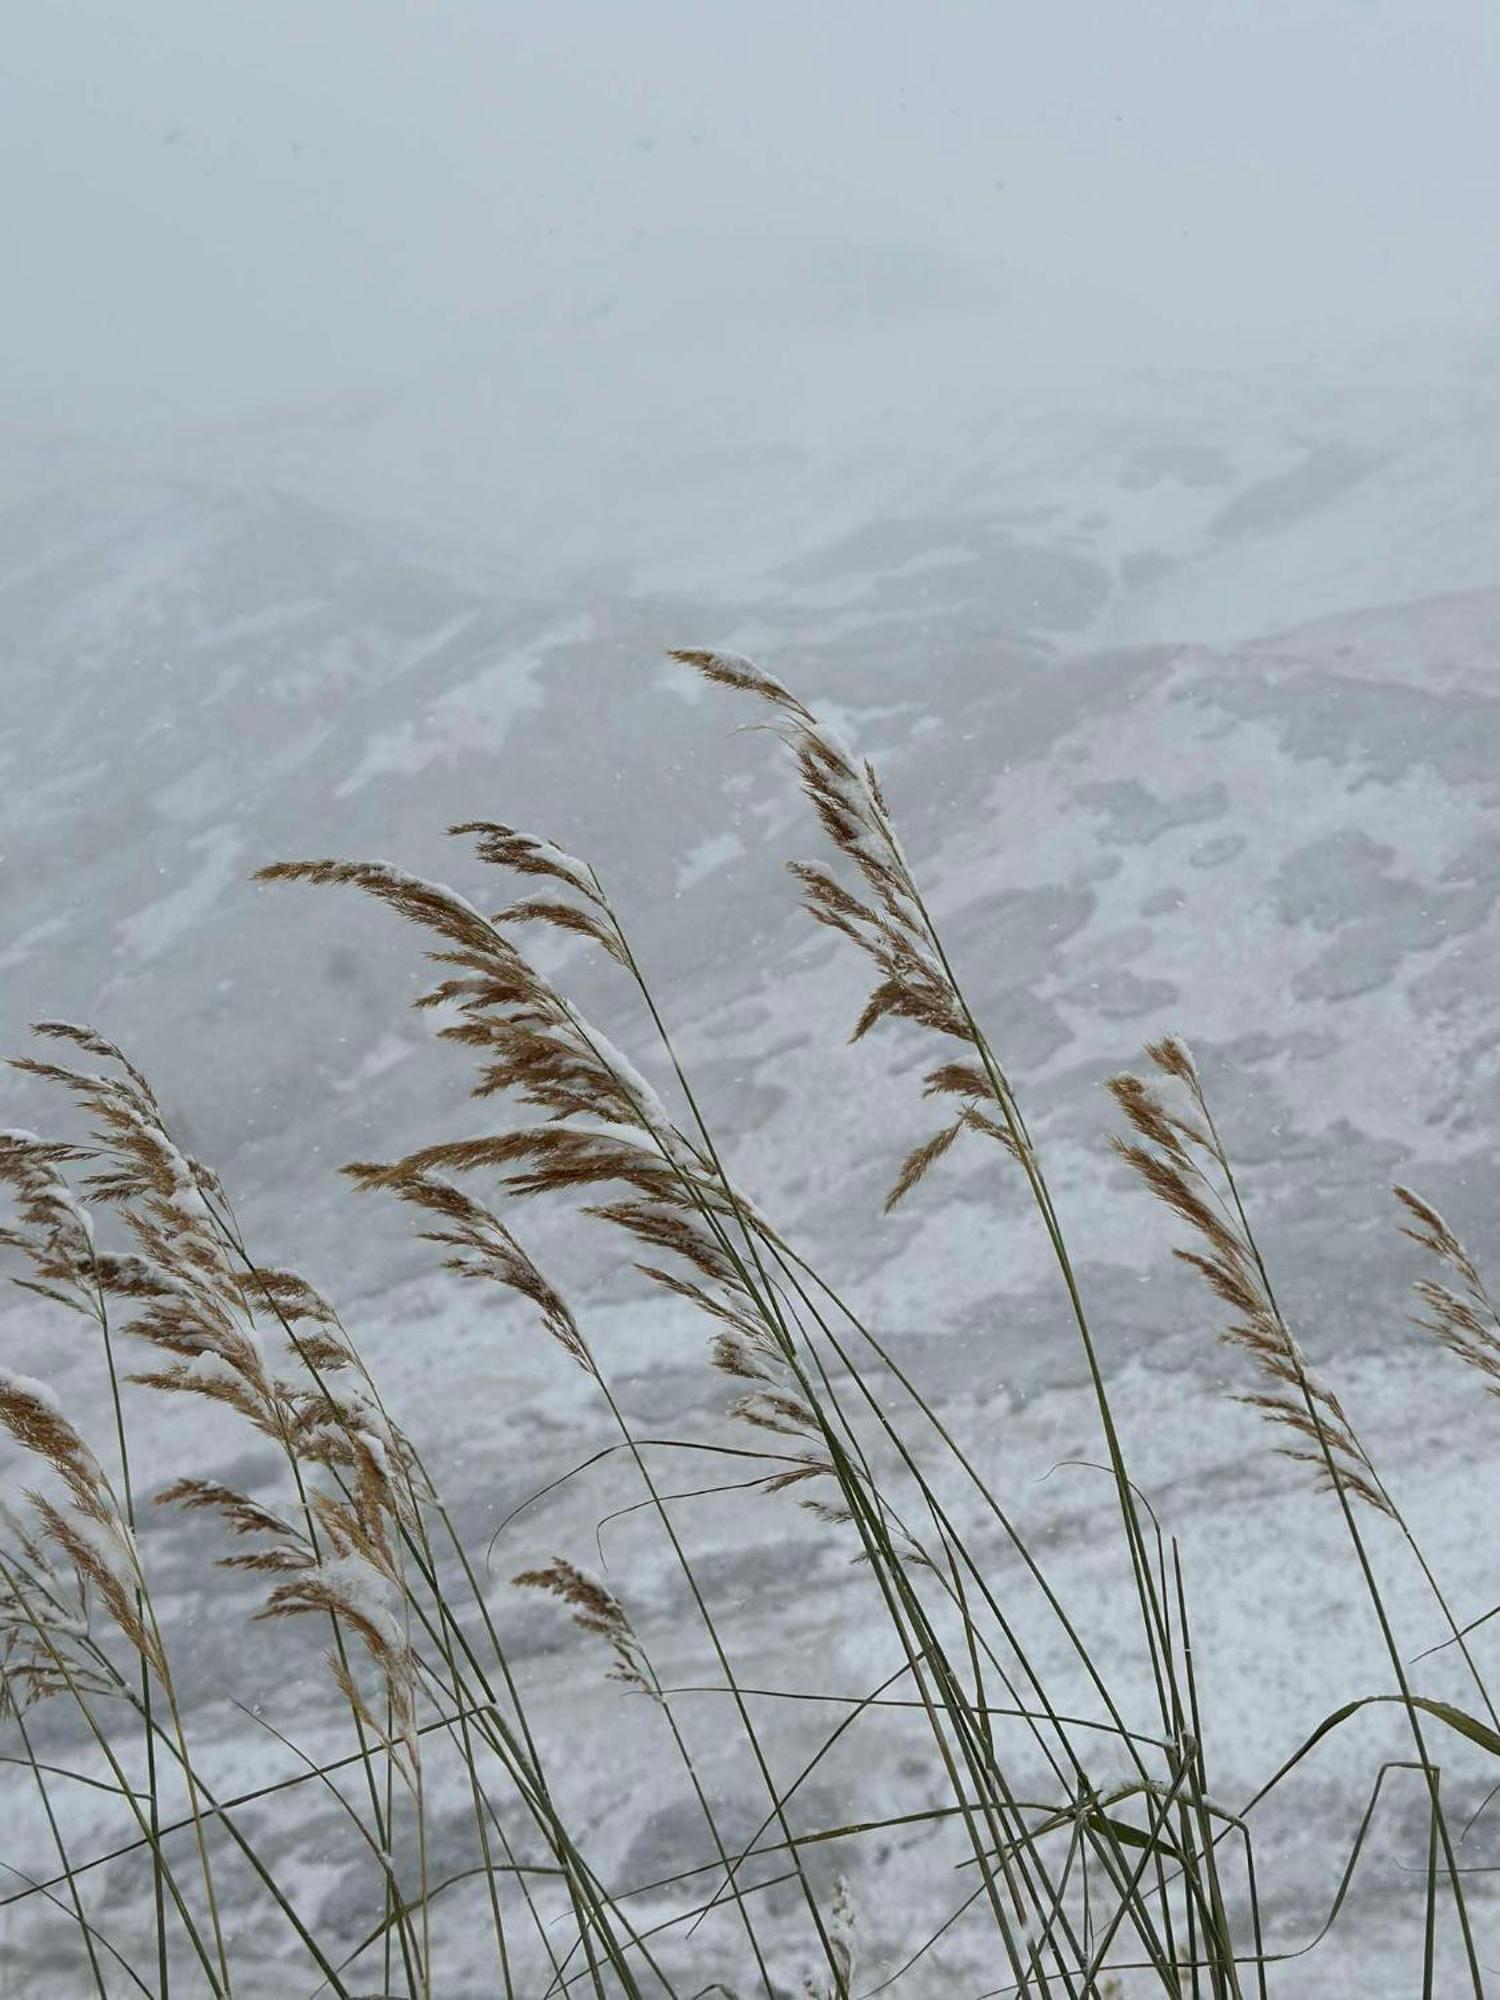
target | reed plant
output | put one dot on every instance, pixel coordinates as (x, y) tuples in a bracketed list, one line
[(1064, 1822)]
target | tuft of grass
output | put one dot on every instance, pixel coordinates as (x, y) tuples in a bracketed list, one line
[(1059, 1812)]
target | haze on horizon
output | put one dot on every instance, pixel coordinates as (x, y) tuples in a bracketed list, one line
[(545, 235)]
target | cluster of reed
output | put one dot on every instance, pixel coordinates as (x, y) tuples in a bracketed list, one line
[(1089, 1846)]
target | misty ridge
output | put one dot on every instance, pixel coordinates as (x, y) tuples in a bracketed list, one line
[(750, 884)]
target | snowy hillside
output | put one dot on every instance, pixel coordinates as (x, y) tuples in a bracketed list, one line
[(1152, 500), (1188, 724)]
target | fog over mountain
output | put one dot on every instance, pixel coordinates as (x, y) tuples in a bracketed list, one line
[(467, 260), (1096, 409)]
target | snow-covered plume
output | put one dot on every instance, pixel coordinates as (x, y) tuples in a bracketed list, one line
[(87, 1528)]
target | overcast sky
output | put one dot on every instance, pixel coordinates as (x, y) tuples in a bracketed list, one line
[(213, 209)]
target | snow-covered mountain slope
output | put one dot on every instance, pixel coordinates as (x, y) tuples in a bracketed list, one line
[(198, 681), (1210, 504), (1139, 803), (1207, 508)]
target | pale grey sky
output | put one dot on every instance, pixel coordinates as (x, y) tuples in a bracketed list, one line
[(212, 205)]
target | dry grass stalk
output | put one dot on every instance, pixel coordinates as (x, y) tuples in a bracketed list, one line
[(181, 1275), (841, 1937), (45, 1624), (347, 1587), (887, 920), (1179, 1157), (596, 1610), (90, 1530), (504, 847), (483, 1248), (1467, 1320), (533, 1041), (52, 1229), (606, 1127), (197, 1304), (289, 1547)]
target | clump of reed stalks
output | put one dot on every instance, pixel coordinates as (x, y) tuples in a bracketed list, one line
[(1069, 1844)]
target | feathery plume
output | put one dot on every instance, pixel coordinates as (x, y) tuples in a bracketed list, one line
[(1466, 1320), (885, 917), (90, 1530), (1179, 1158), (596, 1610)]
